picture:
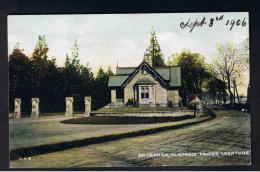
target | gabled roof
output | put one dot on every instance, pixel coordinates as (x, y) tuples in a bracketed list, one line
[(164, 72), (150, 70), (145, 81), (117, 80), (124, 70), (171, 75), (175, 79)]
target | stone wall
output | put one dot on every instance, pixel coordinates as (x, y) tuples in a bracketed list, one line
[(173, 98), (160, 92)]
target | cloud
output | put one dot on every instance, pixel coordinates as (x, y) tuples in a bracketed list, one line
[(104, 39)]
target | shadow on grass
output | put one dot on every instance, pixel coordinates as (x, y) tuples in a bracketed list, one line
[(116, 120)]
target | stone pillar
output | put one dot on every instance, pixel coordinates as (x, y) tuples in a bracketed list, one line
[(17, 108), (113, 96), (176, 99), (87, 106), (148, 59), (173, 97), (35, 107), (69, 107)]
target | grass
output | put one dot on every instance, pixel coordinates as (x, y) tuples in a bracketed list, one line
[(112, 120), (135, 109)]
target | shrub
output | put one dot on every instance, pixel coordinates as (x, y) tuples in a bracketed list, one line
[(130, 102)]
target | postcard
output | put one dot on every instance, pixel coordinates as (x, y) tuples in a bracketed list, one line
[(129, 90)]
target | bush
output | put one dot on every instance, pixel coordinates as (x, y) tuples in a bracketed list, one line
[(130, 102)]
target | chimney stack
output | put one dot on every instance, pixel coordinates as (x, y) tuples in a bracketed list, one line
[(148, 59)]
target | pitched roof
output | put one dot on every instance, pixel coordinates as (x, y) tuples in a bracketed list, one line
[(171, 74), (164, 72), (145, 66), (144, 81), (175, 73), (117, 80), (124, 70)]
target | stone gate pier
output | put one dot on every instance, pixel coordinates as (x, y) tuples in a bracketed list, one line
[(17, 108), (87, 106), (69, 107), (35, 107)]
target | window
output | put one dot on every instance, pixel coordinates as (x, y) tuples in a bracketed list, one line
[(144, 92)]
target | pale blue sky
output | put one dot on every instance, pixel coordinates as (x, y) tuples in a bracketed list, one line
[(105, 38)]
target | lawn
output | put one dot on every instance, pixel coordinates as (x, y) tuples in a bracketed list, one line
[(117, 120)]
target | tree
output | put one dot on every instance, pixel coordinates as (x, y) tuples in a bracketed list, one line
[(53, 88), (230, 65), (109, 72), (19, 79), (75, 62), (39, 68), (245, 52), (193, 72), (73, 78), (154, 51), (79, 80), (101, 96), (215, 85), (67, 61), (87, 78), (35, 77), (41, 48), (40, 77)]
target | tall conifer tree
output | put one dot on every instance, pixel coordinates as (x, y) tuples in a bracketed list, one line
[(154, 51)]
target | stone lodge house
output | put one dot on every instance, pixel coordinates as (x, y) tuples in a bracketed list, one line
[(146, 85)]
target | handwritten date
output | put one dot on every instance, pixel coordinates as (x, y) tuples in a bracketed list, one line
[(210, 23)]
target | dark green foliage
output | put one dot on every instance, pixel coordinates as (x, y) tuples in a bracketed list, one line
[(155, 52), (40, 77), (198, 77), (193, 72), (19, 79), (41, 48), (101, 95)]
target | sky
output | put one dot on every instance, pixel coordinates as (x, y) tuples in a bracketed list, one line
[(104, 39)]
